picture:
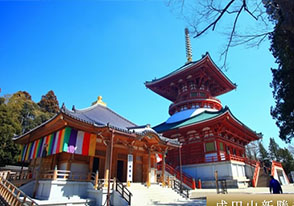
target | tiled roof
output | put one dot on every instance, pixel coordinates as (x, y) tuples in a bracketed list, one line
[(206, 115), (186, 66), (99, 115)]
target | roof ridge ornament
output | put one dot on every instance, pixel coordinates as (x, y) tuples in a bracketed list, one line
[(99, 101), (188, 46)]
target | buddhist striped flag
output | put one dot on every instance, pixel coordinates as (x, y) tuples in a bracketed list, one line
[(65, 140)]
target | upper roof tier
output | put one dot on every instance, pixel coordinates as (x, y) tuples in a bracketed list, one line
[(203, 72)]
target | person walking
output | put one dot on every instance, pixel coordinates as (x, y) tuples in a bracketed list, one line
[(275, 186)]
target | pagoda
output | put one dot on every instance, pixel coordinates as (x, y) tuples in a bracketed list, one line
[(212, 138)]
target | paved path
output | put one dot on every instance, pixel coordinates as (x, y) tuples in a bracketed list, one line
[(287, 189)]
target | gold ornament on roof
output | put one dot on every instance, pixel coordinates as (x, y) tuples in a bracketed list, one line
[(99, 101), (188, 46)]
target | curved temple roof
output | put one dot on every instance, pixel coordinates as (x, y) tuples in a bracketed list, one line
[(203, 117), (158, 85), (100, 116)]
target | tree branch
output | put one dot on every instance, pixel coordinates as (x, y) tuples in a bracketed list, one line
[(213, 24), (231, 35)]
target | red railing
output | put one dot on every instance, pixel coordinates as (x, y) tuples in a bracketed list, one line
[(216, 158), (256, 174), (187, 179)]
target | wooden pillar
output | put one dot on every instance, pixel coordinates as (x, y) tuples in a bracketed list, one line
[(91, 159), (34, 168), (106, 169), (181, 172), (217, 150), (149, 169), (163, 170), (53, 163), (90, 168), (68, 165), (110, 165)]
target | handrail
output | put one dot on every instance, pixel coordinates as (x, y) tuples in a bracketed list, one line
[(11, 194), (187, 179), (178, 187), (65, 175), (217, 158), (123, 191)]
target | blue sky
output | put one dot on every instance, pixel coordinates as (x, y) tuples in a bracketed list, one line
[(83, 49)]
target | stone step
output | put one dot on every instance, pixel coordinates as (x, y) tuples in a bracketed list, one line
[(156, 195)]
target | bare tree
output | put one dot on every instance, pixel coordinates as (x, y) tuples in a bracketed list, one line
[(205, 15), (252, 150)]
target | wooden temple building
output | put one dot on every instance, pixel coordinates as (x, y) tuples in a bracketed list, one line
[(212, 138), (93, 139)]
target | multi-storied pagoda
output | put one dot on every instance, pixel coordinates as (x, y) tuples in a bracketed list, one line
[(212, 138)]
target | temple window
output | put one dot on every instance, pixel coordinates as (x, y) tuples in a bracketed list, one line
[(202, 94), (193, 94), (209, 147), (228, 150), (221, 146)]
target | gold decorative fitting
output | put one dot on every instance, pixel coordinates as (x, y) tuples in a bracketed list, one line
[(188, 46), (99, 101)]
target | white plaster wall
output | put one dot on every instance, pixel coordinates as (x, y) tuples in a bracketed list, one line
[(96, 195), (226, 170), (206, 171), (249, 171), (117, 200), (28, 188), (283, 177), (60, 190), (63, 191)]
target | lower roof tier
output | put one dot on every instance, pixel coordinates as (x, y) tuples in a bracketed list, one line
[(205, 118)]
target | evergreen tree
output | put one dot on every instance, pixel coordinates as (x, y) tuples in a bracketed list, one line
[(9, 127), (49, 103), (287, 160), (274, 150), (263, 154), (19, 114)]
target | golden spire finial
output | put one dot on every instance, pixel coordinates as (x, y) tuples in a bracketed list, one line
[(188, 46), (99, 101)]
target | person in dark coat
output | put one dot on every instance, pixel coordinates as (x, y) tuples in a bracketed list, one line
[(275, 186)]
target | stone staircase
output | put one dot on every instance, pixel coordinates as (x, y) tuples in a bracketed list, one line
[(263, 179), (157, 195)]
